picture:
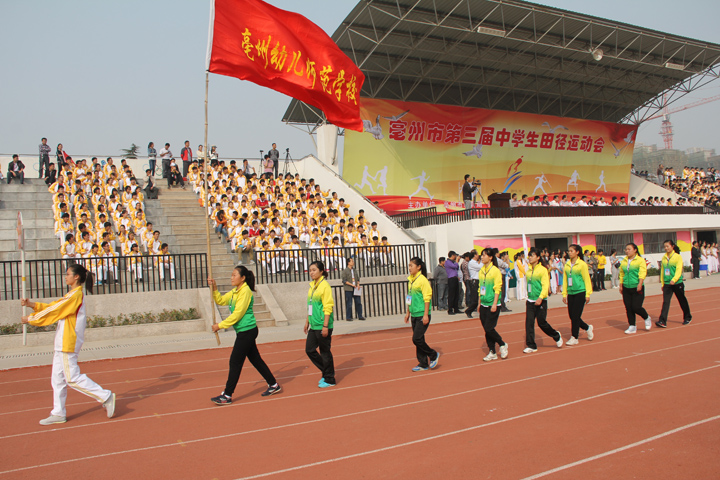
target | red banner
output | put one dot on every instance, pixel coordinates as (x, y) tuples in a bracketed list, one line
[(285, 51)]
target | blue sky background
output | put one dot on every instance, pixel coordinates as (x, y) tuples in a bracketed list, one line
[(99, 75)]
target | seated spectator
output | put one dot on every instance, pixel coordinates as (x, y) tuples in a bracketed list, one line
[(175, 178), (51, 177), (16, 170)]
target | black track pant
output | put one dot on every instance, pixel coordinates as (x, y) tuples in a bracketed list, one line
[(633, 301), (537, 312), (323, 360), (679, 291), (245, 347), (422, 349), (489, 321), (576, 305)]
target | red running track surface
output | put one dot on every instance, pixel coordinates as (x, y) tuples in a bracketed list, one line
[(621, 406)]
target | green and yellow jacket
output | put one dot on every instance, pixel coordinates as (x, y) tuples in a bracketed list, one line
[(420, 293), (538, 282), (240, 301), (632, 272), (673, 264), (491, 281), (580, 276), (320, 297)]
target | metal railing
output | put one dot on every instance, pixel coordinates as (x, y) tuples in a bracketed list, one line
[(283, 266), (547, 211), (380, 299), (146, 273), (412, 218)]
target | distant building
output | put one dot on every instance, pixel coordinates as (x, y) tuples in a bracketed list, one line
[(648, 157)]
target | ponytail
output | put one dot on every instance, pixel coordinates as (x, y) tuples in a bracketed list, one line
[(84, 275), (249, 276), (423, 268), (676, 249), (320, 266), (579, 251)]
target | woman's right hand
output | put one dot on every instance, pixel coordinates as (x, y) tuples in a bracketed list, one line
[(212, 284), (24, 302), (307, 326), (565, 300)]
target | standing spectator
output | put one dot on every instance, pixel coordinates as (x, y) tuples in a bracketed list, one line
[(451, 268), (152, 157), (473, 267), (16, 169), (465, 279), (504, 266), (51, 175), (467, 192), (275, 157), (351, 280), (592, 263), (660, 174), (186, 156), (602, 261), (44, 157), (614, 268), (214, 156), (267, 167), (166, 156), (441, 284), (60, 155), (694, 256)]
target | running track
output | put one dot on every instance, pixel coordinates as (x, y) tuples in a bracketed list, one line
[(621, 406)]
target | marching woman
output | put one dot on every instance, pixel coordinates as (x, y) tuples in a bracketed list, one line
[(576, 290), (241, 299), (418, 302), (70, 315), (536, 305), (632, 276), (490, 287), (319, 324), (671, 278)]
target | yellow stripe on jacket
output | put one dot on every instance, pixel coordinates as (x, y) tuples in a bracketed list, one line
[(69, 313)]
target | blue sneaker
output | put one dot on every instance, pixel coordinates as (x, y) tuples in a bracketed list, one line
[(324, 384), (322, 380), (419, 369), (434, 363)]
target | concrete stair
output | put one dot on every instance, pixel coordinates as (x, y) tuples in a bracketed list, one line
[(181, 224), (35, 202)]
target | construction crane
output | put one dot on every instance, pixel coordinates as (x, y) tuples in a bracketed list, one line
[(666, 129)]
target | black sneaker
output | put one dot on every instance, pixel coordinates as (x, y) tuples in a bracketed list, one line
[(349, 319), (221, 400), (687, 321), (660, 324), (361, 318), (272, 390)]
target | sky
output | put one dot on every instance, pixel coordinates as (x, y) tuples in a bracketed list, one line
[(97, 75)]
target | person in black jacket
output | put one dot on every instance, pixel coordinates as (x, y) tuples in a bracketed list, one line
[(16, 169), (694, 256), (51, 176)]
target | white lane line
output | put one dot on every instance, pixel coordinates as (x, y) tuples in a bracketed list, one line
[(621, 449), (403, 347), (338, 344), (369, 452)]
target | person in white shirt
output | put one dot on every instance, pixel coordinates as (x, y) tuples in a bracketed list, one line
[(632, 202), (166, 155), (554, 202), (514, 201), (474, 266), (582, 202), (601, 202)]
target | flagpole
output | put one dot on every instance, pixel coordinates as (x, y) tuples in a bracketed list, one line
[(205, 203)]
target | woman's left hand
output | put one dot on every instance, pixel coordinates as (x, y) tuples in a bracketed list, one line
[(25, 319), (426, 319), (640, 287), (215, 327), (325, 331)]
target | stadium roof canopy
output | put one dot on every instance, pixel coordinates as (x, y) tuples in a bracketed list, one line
[(516, 56)]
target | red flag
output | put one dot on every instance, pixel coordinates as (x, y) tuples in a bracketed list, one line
[(252, 40)]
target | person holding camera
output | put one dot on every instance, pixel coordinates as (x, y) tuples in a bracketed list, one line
[(468, 190)]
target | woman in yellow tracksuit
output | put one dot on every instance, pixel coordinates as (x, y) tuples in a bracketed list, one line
[(671, 278), (319, 324), (576, 290), (69, 313), (538, 284), (240, 299), (632, 276), (489, 289), (418, 301)]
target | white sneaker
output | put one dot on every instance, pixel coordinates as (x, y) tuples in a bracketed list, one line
[(530, 350), (631, 329), (572, 341), (109, 405), (590, 333), (648, 323), (559, 343), (490, 357), (52, 419), (504, 351)]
